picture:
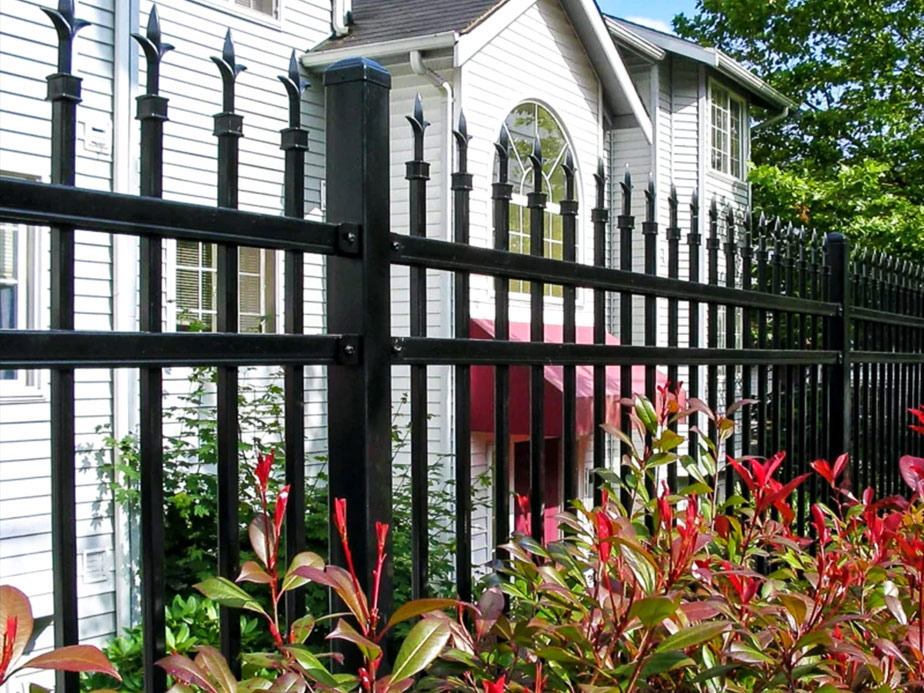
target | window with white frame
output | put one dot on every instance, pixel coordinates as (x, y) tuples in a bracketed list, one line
[(196, 281), (728, 128), (524, 125), (19, 297), (267, 7)]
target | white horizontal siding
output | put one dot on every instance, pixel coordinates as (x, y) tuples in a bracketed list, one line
[(27, 56), (538, 57)]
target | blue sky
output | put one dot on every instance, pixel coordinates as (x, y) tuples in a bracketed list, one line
[(656, 13)]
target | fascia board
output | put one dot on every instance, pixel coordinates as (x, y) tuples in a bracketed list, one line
[(445, 39), (732, 69), (634, 42), (610, 60)]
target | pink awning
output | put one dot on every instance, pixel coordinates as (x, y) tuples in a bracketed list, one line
[(482, 378)]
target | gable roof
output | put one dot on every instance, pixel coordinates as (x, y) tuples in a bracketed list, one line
[(394, 27), (644, 39), (375, 21)]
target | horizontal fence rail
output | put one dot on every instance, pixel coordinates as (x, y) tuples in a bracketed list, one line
[(826, 348)]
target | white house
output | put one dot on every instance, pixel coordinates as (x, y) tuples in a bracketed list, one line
[(557, 69)]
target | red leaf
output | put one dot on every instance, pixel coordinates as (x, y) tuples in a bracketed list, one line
[(918, 413), (912, 469), (75, 658), (824, 469), (184, 669), (840, 464), (14, 608), (782, 493)]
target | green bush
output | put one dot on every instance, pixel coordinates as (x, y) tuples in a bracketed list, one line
[(190, 513)]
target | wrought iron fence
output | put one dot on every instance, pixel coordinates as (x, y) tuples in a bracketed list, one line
[(831, 348)]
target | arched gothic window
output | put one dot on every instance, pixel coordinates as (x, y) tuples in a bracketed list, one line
[(525, 123)]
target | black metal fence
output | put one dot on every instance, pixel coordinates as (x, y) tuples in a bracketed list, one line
[(830, 347)]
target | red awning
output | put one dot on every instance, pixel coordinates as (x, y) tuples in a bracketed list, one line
[(482, 411)]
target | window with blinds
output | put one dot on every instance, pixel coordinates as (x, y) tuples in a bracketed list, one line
[(196, 274), (267, 7), (9, 276), (18, 296)]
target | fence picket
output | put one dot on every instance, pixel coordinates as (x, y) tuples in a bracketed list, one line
[(152, 112)]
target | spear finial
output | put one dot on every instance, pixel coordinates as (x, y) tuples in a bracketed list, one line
[(462, 140), (503, 155), (600, 181), (295, 85), (229, 69), (626, 185), (67, 26), (568, 169), (650, 199), (154, 50)]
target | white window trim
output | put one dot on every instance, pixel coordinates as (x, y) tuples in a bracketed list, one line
[(745, 134), (522, 298), (32, 256), (229, 7)]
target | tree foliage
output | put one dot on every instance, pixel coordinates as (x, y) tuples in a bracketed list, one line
[(852, 158)]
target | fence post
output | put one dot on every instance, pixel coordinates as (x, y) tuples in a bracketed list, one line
[(359, 295), (837, 338)]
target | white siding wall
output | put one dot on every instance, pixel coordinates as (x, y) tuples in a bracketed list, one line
[(27, 56), (538, 57), (629, 150), (190, 80), (405, 87)]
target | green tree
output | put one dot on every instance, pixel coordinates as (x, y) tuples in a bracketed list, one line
[(852, 158)]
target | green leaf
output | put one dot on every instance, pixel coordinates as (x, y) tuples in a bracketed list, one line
[(692, 635), (640, 563), (292, 580), (669, 440), (646, 414), (652, 610), (226, 593), (344, 631), (422, 645), (748, 654), (659, 662), (420, 606), (311, 665), (301, 628), (252, 572)]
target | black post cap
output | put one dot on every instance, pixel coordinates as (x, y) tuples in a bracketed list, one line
[(357, 70)]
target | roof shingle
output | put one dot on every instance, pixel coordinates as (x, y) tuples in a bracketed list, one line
[(388, 20)]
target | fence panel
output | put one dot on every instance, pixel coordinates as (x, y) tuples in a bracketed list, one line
[(832, 349)]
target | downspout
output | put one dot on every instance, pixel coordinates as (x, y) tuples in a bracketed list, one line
[(420, 68), (782, 115), (340, 16), (125, 285)]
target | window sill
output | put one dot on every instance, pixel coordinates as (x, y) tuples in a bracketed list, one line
[(727, 178), (23, 396)]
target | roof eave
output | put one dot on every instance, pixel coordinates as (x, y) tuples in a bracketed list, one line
[(768, 96), (380, 49), (634, 42), (611, 70)]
